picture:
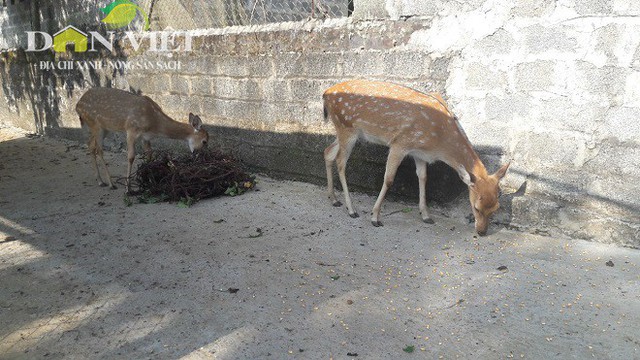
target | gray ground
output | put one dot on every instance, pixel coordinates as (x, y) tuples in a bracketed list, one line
[(83, 276)]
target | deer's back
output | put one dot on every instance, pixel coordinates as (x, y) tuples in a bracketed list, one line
[(114, 109), (391, 113)]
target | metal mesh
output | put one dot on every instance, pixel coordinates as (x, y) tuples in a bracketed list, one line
[(199, 14), (17, 17)]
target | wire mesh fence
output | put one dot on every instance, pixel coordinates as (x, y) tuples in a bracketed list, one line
[(18, 16), (198, 14)]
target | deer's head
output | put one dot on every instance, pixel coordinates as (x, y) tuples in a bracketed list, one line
[(200, 136), (483, 195)]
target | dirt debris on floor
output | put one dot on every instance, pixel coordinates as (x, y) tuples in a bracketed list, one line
[(279, 273)]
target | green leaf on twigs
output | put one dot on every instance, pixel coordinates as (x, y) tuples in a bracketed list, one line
[(409, 349), (127, 200), (186, 202), (148, 198)]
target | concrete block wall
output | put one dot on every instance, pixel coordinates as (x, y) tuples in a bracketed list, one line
[(550, 85)]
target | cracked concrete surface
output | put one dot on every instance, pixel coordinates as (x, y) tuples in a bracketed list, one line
[(280, 273)]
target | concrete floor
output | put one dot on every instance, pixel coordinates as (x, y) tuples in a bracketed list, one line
[(279, 273)]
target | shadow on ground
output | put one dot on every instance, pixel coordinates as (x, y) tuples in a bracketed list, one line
[(280, 273)]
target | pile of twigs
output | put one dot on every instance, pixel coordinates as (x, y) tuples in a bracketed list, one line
[(190, 177)]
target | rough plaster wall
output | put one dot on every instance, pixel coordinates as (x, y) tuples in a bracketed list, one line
[(551, 85)]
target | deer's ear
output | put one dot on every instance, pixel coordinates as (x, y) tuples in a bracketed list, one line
[(502, 171), (472, 178), (466, 177), (195, 121)]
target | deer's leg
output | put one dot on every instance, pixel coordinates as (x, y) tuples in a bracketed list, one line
[(146, 146), (98, 138), (421, 171), (131, 156), (93, 151), (330, 154), (346, 143), (393, 161)]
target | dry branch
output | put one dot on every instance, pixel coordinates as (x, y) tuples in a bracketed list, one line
[(192, 177)]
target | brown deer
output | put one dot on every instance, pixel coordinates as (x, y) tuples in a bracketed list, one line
[(107, 109), (409, 123)]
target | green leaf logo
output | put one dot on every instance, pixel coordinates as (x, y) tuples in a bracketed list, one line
[(121, 13)]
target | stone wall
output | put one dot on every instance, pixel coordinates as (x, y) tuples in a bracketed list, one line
[(550, 85)]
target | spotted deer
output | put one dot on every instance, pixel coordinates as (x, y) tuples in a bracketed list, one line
[(106, 109), (409, 123)]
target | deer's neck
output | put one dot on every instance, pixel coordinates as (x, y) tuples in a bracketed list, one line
[(466, 157), (478, 169), (173, 129), (473, 164)]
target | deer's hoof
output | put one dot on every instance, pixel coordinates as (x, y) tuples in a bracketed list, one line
[(428, 221), (101, 184), (354, 215), (113, 187), (376, 223), (337, 203)]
